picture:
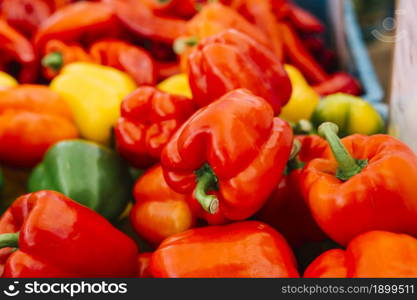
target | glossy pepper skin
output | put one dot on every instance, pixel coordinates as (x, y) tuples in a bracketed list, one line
[(304, 98), (16, 48), (86, 172), (233, 148), (151, 25), (149, 118), (247, 249), (94, 93), (372, 254), (61, 238), (82, 22), (232, 60), (125, 57), (32, 118), (352, 115), (286, 209), (367, 183), (59, 54), (159, 211), (26, 15)]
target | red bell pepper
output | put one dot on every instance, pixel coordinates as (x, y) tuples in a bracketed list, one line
[(26, 15), (82, 22), (159, 212), (16, 48), (372, 254), (32, 118), (232, 60), (144, 22), (231, 154), (126, 57), (362, 183), (149, 118), (57, 237), (144, 260), (286, 209), (247, 249)]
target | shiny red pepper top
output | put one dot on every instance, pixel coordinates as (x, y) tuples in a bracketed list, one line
[(233, 148), (232, 60), (61, 238)]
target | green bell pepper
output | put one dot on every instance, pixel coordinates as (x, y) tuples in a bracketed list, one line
[(352, 115), (92, 175)]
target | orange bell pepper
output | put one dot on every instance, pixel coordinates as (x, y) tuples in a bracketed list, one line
[(362, 183), (372, 254), (32, 118)]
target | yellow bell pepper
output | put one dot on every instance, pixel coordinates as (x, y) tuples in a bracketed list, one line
[(7, 81), (176, 85), (352, 115), (304, 98), (94, 93)]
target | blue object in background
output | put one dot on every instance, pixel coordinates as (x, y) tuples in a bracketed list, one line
[(356, 57)]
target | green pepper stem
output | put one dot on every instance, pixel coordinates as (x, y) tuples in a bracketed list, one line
[(206, 180), (53, 60), (9, 240), (181, 44), (347, 165)]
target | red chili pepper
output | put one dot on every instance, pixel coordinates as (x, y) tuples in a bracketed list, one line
[(369, 183), (299, 56), (126, 57), (232, 60), (372, 254), (149, 119), (26, 15), (260, 13), (143, 21), (82, 22), (233, 149), (57, 237), (58, 54), (339, 83), (32, 118), (246, 249), (17, 49), (159, 212), (144, 260), (286, 209)]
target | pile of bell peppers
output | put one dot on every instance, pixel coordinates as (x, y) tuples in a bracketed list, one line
[(189, 138)]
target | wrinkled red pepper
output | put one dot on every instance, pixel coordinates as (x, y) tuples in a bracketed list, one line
[(143, 21), (17, 49), (286, 209), (26, 15), (82, 22), (245, 249), (57, 237), (126, 57), (232, 60), (231, 154), (149, 118)]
